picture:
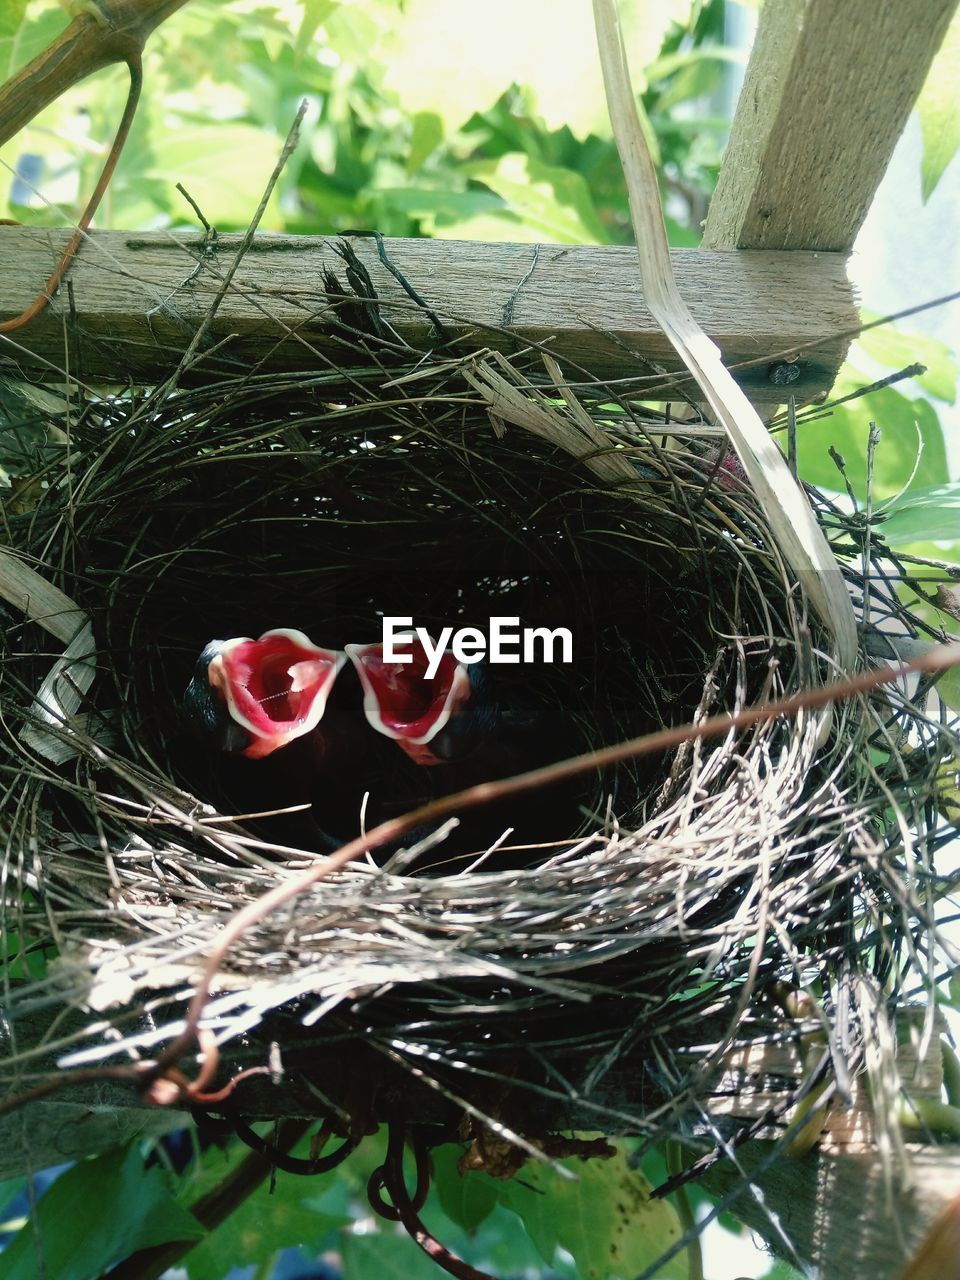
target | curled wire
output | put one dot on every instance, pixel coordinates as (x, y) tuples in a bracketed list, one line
[(405, 1208), (294, 1164)]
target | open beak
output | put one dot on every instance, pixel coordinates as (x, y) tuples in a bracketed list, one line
[(273, 689), (402, 703)]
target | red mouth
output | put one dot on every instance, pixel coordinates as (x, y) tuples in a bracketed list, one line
[(398, 698), (275, 687)]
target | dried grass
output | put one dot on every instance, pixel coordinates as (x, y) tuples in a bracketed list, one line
[(603, 977)]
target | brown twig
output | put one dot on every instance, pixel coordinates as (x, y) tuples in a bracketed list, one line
[(123, 130), (174, 1086), (281, 1159), (292, 138), (85, 46), (389, 1177)]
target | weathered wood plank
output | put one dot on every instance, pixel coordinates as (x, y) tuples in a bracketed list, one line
[(836, 1209), (137, 300), (827, 92), (754, 1077)]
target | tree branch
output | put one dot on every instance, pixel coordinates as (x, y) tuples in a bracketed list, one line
[(87, 45)]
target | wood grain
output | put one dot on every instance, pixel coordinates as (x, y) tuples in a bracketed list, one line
[(135, 301), (827, 92), (836, 1208)]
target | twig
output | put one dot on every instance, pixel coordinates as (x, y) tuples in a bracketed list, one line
[(784, 502), (406, 1208), (289, 145), (85, 46)]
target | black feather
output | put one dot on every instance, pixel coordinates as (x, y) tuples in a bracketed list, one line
[(206, 711)]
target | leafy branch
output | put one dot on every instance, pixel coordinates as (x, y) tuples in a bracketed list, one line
[(103, 33), (106, 31)]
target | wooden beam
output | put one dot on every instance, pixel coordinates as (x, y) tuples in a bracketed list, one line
[(827, 92), (135, 301), (837, 1209)]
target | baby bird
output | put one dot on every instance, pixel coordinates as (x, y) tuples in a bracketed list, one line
[(259, 711), (252, 697), (435, 720)]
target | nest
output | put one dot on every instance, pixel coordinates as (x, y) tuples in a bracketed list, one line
[(580, 957)]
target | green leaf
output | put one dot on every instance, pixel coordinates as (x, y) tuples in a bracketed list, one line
[(10, 1188), (225, 167), (23, 957), (96, 1213), (690, 75), (22, 39), (353, 32), (503, 1247), (11, 16), (554, 203), (939, 109), (605, 1219), (261, 1227), (939, 551), (654, 1169), (466, 1198), (948, 687), (667, 66), (547, 46), (895, 349), (293, 1214), (315, 14), (532, 1201), (425, 136), (436, 209), (384, 1255), (932, 513), (905, 424), (496, 226), (781, 1270)]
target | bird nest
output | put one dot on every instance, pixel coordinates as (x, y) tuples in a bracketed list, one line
[(580, 955)]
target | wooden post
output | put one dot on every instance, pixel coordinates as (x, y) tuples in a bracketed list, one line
[(135, 300), (828, 90), (838, 1210)]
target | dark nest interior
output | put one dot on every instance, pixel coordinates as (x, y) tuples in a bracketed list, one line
[(585, 956)]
